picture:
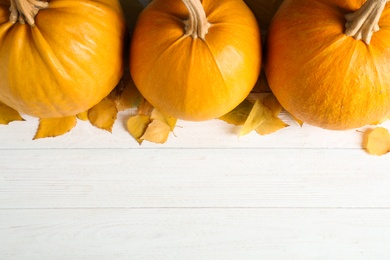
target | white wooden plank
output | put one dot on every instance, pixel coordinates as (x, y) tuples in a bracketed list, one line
[(195, 234), (213, 133), (76, 178)]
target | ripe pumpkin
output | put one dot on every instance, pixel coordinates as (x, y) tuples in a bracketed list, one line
[(322, 76), (195, 61), (66, 61)]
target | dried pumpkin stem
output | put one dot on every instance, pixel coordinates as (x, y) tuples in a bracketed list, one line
[(26, 10), (197, 24), (364, 22)]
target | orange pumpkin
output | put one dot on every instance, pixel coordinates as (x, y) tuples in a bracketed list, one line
[(322, 76), (66, 61), (195, 61)]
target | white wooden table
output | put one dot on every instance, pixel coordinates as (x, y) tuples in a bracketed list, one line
[(300, 193)]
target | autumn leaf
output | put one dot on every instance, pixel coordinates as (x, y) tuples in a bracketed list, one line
[(52, 127), (150, 124), (270, 101), (126, 94), (239, 114), (160, 127), (272, 122), (377, 141), (8, 115), (137, 125), (264, 116), (255, 118), (261, 85), (104, 114), (145, 108), (83, 116), (157, 132), (168, 120), (271, 125)]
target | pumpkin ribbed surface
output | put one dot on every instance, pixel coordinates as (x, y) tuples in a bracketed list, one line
[(191, 78), (320, 75), (70, 60)]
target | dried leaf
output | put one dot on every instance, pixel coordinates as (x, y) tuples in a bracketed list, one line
[(136, 125), (103, 115), (378, 141), (157, 132), (270, 101), (271, 125), (52, 127), (8, 114), (169, 120), (150, 124), (264, 116), (255, 118), (261, 85), (83, 115), (126, 94), (145, 108), (239, 114)]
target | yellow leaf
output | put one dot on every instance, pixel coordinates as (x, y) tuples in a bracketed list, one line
[(262, 83), (270, 101), (126, 94), (239, 114), (169, 120), (264, 116), (83, 115), (378, 141), (103, 115), (136, 125), (145, 108), (52, 127), (8, 114), (157, 132), (271, 125), (258, 115), (150, 124)]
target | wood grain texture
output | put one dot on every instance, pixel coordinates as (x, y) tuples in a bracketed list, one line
[(195, 234), (74, 178), (301, 193)]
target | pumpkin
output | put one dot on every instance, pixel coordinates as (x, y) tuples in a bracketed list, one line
[(195, 60), (321, 75), (62, 61)]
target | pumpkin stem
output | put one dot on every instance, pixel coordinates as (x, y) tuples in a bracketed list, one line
[(197, 24), (364, 22), (26, 10)]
